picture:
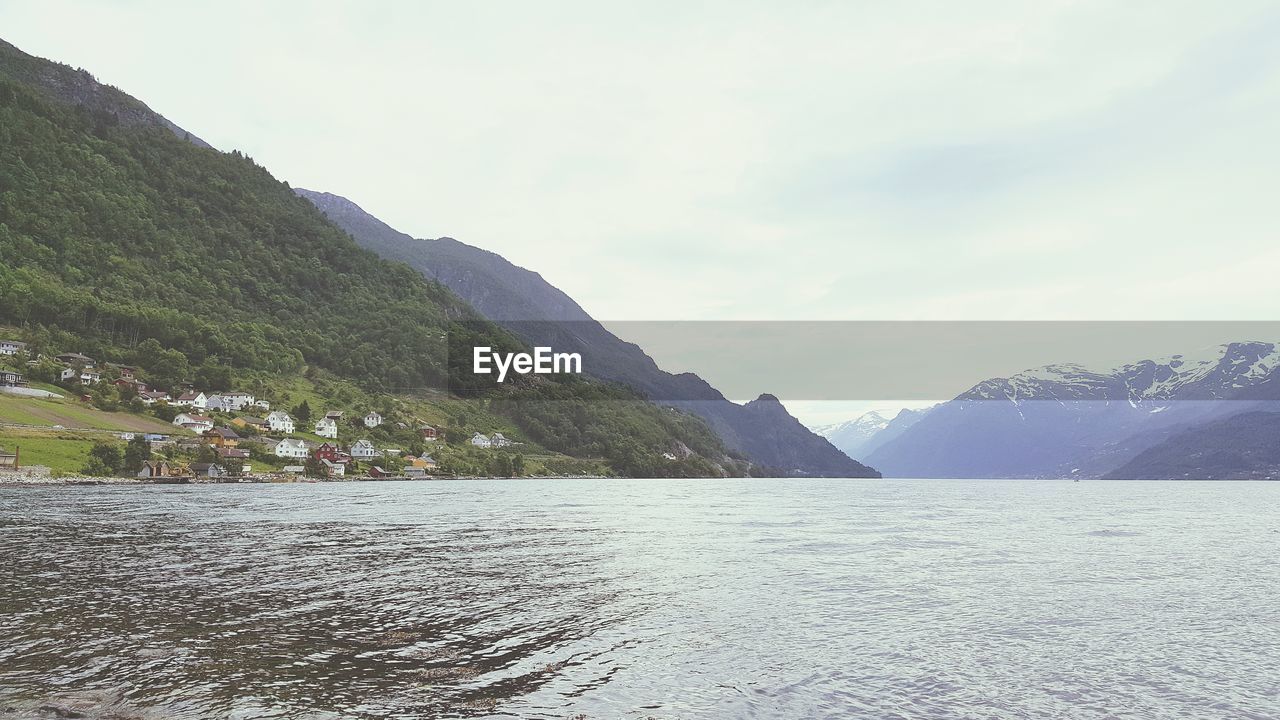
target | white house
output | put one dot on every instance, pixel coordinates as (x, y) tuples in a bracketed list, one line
[(198, 423), (327, 428), (192, 398), (481, 441), (363, 450), (334, 469), (279, 421), (261, 405), (372, 420), (12, 347), (151, 397), (499, 440), (237, 401), (90, 377), (68, 373), (216, 402), (289, 448)]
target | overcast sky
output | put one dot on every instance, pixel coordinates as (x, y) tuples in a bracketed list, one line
[(744, 160)]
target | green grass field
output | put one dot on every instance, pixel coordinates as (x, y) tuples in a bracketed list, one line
[(71, 413), (62, 452)]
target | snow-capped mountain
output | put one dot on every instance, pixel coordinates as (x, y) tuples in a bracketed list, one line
[(853, 431), (1217, 372), (1068, 420), (860, 436)]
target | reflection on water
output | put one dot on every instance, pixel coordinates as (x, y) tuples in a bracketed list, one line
[(554, 599)]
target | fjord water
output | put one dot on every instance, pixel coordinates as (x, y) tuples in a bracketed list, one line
[(643, 598)]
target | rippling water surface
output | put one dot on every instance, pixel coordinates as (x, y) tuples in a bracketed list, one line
[(640, 599)]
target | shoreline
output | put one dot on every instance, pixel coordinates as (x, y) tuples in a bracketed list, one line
[(72, 480)]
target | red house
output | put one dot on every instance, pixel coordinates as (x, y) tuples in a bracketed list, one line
[(332, 453), (428, 432)]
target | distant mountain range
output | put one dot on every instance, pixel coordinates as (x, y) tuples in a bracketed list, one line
[(862, 435), (762, 430), (1071, 421)]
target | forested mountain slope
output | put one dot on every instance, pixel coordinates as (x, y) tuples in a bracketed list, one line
[(118, 234)]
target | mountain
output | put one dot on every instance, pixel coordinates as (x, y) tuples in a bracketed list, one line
[(862, 435), (1242, 447), (123, 237), (530, 307), (851, 435), (79, 89), (1068, 420)]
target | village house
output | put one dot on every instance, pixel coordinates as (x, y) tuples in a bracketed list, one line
[(327, 428), (289, 448), (422, 462), (237, 401), (159, 469), (90, 377), (498, 440), (9, 378), (334, 415), (192, 398), (251, 423), (414, 473), (262, 405), (222, 437), (76, 359), (151, 397), (130, 384), (428, 433), (208, 470), (377, 471), (332, 453), (12, 347), (216, 403), (372, 420), (364, 450), (196, 423), (333, 469), (481, 441), (231, 453), (294, 469), (279, 421)]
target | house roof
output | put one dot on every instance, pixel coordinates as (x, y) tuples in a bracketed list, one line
[(233, 453), (74, 357), (334, 414), (226, 433), (190, 395), (195, 418), (292, 442)]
